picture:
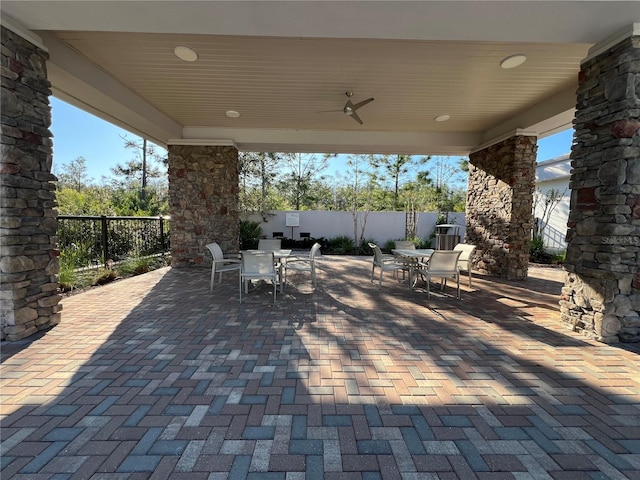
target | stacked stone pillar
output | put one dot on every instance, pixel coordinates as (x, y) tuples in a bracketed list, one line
[(28, 221), (499, 206), (203, 196), (602, 294)]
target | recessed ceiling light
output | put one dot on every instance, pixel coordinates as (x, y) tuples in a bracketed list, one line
[(233, 114), (513, 61), (185, 53), (442, 118)]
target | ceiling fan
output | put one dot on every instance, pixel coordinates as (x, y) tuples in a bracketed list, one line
[(350, 108)]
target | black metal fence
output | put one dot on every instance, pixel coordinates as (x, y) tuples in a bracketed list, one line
[(94, 240)]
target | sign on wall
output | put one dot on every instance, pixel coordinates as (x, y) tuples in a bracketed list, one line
[(293, 219)]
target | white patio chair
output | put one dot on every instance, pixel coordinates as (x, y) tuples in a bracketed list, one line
[(385, 264), (464, 262), (303, 264), (258, 266), (269, 245), (442, 264), (405, 245), (220, 263)]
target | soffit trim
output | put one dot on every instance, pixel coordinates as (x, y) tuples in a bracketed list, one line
[(22, 31)]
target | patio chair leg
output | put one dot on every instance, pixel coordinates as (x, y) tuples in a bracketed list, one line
[(469, 277)]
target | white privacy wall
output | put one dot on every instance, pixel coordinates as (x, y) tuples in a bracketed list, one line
[(380, 226)]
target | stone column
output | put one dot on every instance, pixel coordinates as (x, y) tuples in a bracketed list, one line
[(28, 245), (499, 206), (203, 196), (602, 294)]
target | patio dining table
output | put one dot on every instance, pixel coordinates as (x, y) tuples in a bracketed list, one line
[(413, 258)]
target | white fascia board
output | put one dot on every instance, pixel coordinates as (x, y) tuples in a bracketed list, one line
[(337, 141), (16, 27), (223, 142), (470, 20), (518, 132), (632, 30), (552, 115), (82, 84)]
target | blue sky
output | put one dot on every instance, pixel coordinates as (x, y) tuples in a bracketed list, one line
[(80, 134)]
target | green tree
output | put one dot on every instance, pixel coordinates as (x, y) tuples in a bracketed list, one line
[(74, 175), (126, 201), (415, 197), (92, 200), (258, 171), (358, 190), (142, 165), (303, 171), (447, 178), (397, 169)]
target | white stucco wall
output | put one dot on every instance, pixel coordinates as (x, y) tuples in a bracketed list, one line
[(380, 226)]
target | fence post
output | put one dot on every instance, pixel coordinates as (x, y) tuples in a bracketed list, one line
[(105, 240), (162, 242)]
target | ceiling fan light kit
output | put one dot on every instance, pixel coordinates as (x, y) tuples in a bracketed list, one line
[(350, 108)]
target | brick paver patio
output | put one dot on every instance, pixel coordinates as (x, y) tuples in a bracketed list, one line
[(156, 377)]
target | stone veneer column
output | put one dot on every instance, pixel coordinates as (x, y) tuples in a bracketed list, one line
[(499, 205), (28, 246), (203, 196), (602, 294)]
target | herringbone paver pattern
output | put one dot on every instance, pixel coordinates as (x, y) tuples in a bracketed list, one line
[(155, 377)]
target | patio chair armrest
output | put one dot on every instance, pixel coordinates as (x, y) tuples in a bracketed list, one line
[(391, 260), (298, 260), (298, 257)]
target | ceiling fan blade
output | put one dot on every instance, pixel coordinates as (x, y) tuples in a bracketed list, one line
[(355, 116), (362, 103)]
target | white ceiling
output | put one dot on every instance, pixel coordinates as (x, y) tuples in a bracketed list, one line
[(282, 64)]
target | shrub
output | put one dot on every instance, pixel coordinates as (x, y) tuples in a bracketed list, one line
[(250, 233), (341, 245), (104, 276), (135, 266), (388, 246), (559, 258), (423, 242), (365, 249), (536, 251), (68, 277)]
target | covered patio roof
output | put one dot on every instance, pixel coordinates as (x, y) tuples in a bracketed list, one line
[(282, 65)]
